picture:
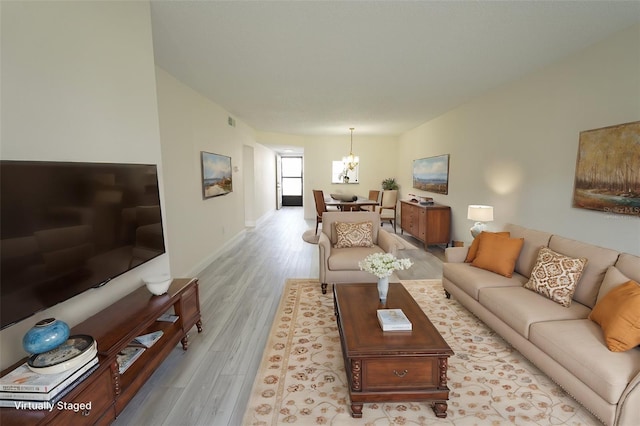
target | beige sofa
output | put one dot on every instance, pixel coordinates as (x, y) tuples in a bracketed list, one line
[(340, 265), (562, 342)]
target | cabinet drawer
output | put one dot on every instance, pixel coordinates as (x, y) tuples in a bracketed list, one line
[(99, 394), (399, 373)]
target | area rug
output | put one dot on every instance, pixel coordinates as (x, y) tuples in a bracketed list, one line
[(302, 379)]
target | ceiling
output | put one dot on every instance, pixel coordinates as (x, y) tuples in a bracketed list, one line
[(383, 67)]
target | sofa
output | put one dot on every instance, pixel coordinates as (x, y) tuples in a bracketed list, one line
[(340, 264), (561, 341)]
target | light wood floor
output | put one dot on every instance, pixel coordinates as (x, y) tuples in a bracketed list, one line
[(210, 383)]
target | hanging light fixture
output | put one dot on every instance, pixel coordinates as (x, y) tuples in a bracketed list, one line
[(351, 161)]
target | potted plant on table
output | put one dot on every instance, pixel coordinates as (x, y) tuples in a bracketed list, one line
[(389, 184), (382, 266)]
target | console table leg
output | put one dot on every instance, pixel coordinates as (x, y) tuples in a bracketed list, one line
[(356, 411), (185, 342), (323, 286), (440, 408), (199, 326)]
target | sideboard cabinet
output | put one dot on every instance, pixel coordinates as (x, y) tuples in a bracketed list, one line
[(114, 328), (430, 223)]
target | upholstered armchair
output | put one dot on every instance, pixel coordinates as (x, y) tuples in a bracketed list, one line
[(340, 248)]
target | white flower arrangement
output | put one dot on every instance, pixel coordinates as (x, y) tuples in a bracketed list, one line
[(383, 264)]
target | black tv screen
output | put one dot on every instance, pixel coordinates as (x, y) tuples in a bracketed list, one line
[(68, 227)]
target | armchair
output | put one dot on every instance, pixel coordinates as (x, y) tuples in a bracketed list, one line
[(340, 265)]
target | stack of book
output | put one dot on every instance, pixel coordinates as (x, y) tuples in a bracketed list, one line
[(393, 320), (24, 388)]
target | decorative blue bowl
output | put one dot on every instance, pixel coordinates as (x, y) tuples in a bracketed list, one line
[(46, 335)]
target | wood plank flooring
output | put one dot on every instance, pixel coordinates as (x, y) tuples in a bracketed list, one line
[(210, 383)]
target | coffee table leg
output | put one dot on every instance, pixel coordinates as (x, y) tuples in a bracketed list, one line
[(440, 408), (356, 411)]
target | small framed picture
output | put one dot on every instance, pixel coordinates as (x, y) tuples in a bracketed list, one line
[(216, 175)]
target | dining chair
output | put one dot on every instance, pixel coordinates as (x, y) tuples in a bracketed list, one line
[(321, 207), (387, 207), (373, 196)]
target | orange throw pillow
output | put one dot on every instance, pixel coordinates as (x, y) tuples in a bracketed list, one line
[(618, 313), (498, 254), (473, 249)]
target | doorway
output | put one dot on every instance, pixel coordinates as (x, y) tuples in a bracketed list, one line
[(291, 178)]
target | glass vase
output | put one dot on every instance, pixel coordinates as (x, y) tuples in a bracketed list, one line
[(383, 288)]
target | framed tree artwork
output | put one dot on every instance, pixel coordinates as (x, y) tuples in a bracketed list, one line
[(608, 170)]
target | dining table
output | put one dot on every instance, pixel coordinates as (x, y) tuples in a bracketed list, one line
[(352, 205)]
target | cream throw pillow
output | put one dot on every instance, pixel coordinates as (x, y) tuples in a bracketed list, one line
[(555, 276), (354, 234)]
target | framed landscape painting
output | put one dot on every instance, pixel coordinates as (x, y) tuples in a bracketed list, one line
[(216, 175), (607, 170), (432, 174)]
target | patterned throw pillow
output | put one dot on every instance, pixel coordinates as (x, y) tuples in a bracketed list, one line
[(354, 234), (555, 276)]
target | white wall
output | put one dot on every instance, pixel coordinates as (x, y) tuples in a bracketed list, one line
[(378, 161), (515, 148), (199, 228), (78, 84)]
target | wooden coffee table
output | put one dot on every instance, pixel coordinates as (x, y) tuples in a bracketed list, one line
[(390, 365)]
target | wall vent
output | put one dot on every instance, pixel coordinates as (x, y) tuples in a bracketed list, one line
[(231, 121)]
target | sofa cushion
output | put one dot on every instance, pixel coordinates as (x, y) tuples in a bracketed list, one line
[(629, 265), (473, 248), (471, 279), (579, 346), (618, 313), (556, 276), (359, 234), (533, 240), (519, 308), (498, 254), (599, 261), (612, 279), (346, 259)]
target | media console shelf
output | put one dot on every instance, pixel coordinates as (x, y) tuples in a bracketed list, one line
[(114, 328)]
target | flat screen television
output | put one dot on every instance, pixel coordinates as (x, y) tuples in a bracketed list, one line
[(68, 227)]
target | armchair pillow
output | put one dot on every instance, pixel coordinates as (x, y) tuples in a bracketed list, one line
[(354, 234), (555, 276), (498, 254), (618, 313)]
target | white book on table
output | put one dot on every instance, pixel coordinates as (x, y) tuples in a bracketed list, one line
[(393, 320)]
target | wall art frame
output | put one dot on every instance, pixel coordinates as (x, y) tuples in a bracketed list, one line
[(607, 165), (432, 174), (217, 176)]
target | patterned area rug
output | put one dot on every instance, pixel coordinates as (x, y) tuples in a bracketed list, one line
[(302, 378)]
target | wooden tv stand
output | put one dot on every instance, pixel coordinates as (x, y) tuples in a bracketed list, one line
[(114, 328)]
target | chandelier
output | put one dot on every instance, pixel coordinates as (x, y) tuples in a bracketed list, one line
[(351, 161)]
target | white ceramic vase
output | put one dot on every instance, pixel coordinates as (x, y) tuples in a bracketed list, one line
[(383, 288)]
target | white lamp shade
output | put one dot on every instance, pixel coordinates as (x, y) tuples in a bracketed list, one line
[(480, 213)]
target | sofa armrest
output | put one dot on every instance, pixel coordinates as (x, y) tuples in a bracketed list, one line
[(627, 412), (455, 254), (386, 242), (324, 249)]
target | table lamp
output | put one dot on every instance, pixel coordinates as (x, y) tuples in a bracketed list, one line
[(480, 214)]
